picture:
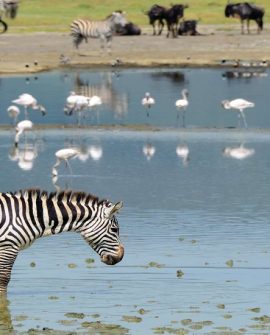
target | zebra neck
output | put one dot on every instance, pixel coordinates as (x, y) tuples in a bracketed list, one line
[(62, 216)]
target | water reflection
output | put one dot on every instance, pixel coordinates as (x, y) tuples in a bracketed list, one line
[(149, 150), (24, 155), (176, 77), (118, 102), (182, 151), (239, 152)]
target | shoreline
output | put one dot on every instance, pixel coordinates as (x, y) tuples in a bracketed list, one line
[(217, 46)]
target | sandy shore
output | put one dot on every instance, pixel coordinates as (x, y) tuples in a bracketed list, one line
[(23, 53)]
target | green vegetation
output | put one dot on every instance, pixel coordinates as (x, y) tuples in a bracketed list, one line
[(56, 15)]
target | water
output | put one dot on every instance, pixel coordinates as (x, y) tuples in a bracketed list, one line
[(206, 216), (122, 92)]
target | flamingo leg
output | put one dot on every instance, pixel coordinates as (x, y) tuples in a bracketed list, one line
[(244, 118)]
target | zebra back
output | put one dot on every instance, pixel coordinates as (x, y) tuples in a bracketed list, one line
[(81, 29)]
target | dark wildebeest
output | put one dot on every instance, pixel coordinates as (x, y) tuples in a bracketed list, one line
[(129, 29), (156, 14), (246, 11), (188, 27), (172, 16)]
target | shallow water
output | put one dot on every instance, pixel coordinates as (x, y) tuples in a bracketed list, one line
[(206, 216), (122, 90)]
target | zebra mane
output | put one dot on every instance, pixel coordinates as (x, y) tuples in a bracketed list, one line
[(65, 196)]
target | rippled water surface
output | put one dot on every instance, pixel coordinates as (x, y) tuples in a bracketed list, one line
[(195, 228)]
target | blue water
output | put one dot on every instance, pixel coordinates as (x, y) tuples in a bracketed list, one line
[(206, 215), (121, 93)]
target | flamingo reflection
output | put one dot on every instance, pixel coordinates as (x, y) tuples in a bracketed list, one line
[(240, 152), (24, 156), (182, 151), (148, 150)]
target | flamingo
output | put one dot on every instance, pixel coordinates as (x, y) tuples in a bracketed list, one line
[(181, 104), (239, 152), (13, 112), (76, 102), (148, 101), (21, 127), (64, 155), (28, 101), (94, 101), (240, 105)]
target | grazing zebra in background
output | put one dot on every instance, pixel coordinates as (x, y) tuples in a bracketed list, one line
[(10, 9), (30, 214), (104, 30)]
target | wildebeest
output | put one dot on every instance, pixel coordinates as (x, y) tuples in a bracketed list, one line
[(156, 14), (188, 27), (246, 12), (171, 15), (129, 29)]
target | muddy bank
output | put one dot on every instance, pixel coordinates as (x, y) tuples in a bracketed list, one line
[(22, 53)]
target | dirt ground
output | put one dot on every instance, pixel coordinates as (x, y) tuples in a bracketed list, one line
[(23, 53)]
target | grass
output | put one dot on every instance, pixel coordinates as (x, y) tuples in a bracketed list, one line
[(56, 15)]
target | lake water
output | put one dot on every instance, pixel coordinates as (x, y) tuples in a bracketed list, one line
[(195, 228)]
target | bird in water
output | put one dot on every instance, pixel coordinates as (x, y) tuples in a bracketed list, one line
[(64, 155), (13, 112), (28, 101), (148, 102), (240, 105), (182, 104), (21, 127)]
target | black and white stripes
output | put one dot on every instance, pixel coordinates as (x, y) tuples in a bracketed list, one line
[(30, 214), (82, 29)]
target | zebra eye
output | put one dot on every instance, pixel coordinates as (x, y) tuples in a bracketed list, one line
[(114, 230)]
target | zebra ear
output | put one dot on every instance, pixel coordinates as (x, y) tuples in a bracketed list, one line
[(113, 209)]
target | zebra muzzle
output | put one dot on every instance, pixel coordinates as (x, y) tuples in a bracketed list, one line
[(111, 259)]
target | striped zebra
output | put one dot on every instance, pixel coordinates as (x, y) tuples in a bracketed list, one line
[(104, 30), (29, 214), (10, 9)]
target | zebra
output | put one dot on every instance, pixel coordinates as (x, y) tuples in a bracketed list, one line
[(104, 30), (29, 214), (10, 9)]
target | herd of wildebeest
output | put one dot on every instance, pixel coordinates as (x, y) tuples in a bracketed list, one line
[(172, 16)]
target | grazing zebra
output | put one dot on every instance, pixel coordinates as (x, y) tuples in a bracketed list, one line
[(9, 8), (104, 30), (30, 214)]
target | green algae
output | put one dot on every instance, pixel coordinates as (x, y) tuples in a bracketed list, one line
[(75, 315), (99, 328), (229, 263), (170, 330), (130, 318), (179, 273)]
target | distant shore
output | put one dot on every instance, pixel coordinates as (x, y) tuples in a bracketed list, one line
[(217, 46)]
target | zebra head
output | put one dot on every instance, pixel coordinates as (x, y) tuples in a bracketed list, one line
[(103, 235), (117, 19)]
